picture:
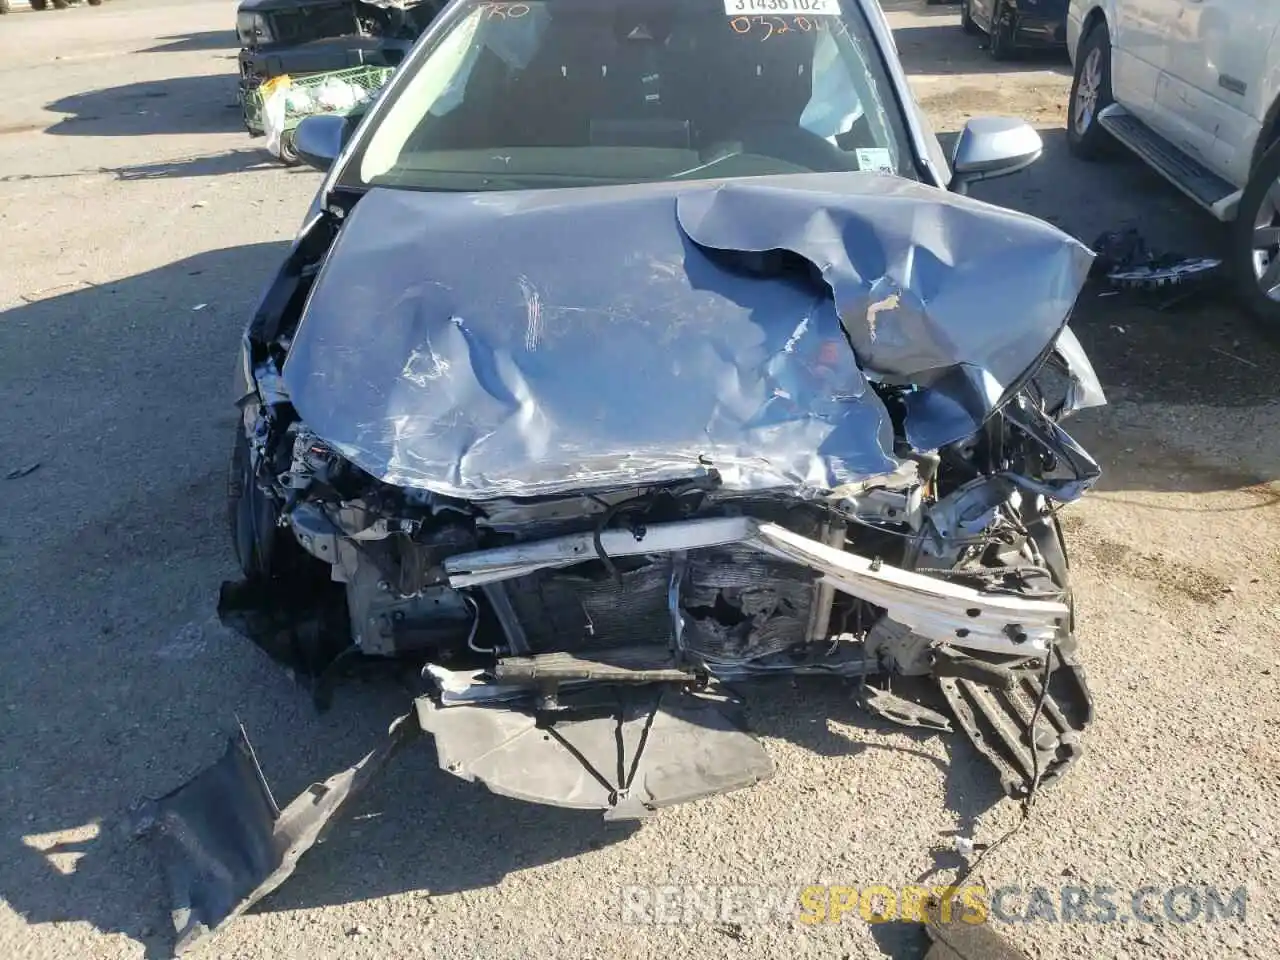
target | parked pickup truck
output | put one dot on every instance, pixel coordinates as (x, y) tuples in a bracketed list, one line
[(1193, 88)]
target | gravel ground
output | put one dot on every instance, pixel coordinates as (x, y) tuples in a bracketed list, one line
[(140, 223)]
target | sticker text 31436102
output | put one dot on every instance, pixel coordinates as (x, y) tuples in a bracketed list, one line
[(804, 8)]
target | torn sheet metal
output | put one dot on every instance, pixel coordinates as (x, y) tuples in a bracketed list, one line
[(1084, 389), (503, 563), (628, 752), (945, 612), (924, 281), (497, 344), (907, 713), (938, 609), (1076, 470), (223, 842)]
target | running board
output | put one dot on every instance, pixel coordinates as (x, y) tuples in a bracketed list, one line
[(1184, 171)]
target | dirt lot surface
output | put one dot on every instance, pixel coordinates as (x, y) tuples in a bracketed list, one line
[(138, 225)]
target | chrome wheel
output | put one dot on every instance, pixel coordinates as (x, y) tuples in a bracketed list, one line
[(1266, 244), (1086, 105)]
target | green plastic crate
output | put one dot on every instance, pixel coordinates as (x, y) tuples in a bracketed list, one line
[(332, 92)]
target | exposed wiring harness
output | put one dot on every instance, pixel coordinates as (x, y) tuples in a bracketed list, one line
[(1028, 801), (475, 626)]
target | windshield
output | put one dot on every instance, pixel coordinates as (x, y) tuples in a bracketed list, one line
[(562, 93)]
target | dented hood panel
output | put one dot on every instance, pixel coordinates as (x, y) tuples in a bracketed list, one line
[(530, 343)]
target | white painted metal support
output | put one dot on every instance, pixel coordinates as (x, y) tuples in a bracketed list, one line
[(945, 612)]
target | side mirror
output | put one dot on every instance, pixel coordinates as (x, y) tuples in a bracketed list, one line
[(319, 139), (991, 147)]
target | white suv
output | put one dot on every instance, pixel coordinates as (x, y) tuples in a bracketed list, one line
[(1193, 88)]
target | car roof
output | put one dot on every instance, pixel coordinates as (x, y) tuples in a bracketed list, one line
[(272, 6)]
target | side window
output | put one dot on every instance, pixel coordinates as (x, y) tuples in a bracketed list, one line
[(425, 90)]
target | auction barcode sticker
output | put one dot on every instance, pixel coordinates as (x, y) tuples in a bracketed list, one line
[(810, 8)]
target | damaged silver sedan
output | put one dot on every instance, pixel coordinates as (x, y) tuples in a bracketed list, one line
[(632, 351)]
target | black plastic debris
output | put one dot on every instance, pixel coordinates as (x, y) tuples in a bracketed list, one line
[(224, 844), (900, 710), (1124, 258), (19, 472), (628, 752), (956, 936)]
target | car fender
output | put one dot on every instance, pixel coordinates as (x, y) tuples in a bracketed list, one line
[(1078, 14), (1269, 99)]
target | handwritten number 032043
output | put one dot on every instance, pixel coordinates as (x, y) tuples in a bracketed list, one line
[(772, 26)]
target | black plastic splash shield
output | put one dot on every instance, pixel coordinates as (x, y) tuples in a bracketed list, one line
[(224, 844), (626, 751)]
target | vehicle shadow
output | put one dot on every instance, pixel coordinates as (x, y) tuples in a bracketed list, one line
[(804, 716), (128, 667), (214, 165), (1174, 347), (477, 838), (204, 104), (943, 49), (67, 854), (159, 703), (233, 161), (422, 830), (416, 830), (205, 40)]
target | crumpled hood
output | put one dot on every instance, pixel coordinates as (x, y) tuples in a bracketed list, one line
[(535, 342)]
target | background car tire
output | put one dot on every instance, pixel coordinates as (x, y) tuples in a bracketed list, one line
[(1000, 42), (60, 4), (4, 6), (1085, 136), (966, 20), (39, 4), (1241, 247), (289, 149), (263, 549), (95, 3)]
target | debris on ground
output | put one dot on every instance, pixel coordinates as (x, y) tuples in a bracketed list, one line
[(1234, 356), (956, 936), (47, 293), (18, 472), (1124, 258)]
